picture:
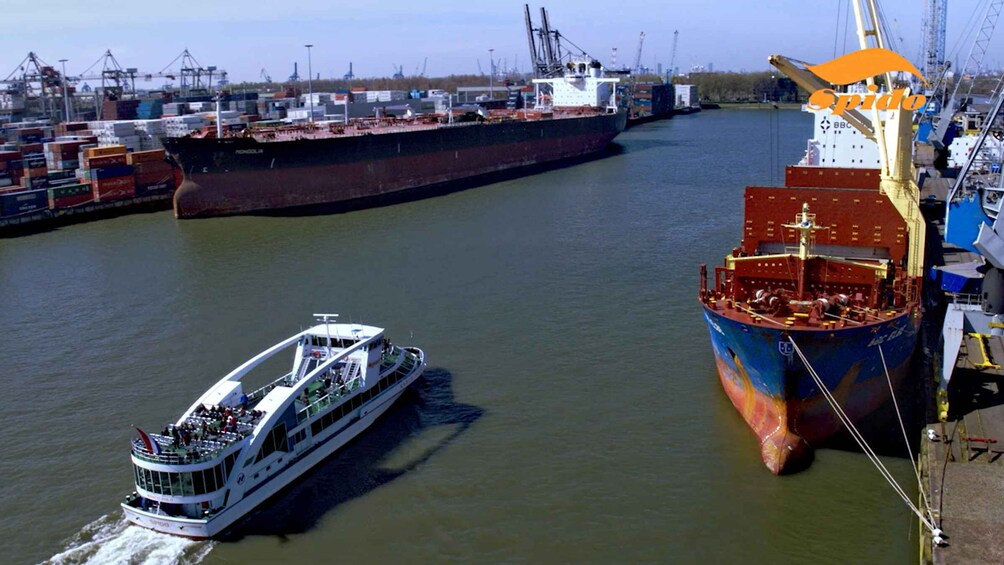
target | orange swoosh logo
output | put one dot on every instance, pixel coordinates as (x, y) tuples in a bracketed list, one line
[(860, 65)]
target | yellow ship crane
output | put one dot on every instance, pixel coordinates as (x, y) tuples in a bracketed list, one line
[(894, 134)]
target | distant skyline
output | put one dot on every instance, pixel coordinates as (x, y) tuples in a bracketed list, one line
[(246, 36)]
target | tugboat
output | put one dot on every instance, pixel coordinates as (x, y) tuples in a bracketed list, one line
[(233, 448)]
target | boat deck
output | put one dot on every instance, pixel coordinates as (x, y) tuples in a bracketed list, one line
[(209, 430)]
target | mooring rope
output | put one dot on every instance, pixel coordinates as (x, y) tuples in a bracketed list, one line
[(906, 439), (859, 439)]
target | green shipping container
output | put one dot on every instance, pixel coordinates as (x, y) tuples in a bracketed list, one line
[(58, 192)]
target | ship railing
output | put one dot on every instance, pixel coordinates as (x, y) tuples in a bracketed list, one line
[(966, 299), (335, 394), (261, 392), (200, 451)]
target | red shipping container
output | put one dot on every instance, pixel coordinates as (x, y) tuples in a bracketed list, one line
[(9, 156), (106, 161), (70, 201), (32, 148), (161, 167), (113, 189), (154, 178)]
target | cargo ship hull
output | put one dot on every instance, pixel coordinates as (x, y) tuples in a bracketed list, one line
[(242, 175), (768, 383)]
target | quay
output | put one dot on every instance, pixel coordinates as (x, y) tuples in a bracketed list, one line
[(959, 459)]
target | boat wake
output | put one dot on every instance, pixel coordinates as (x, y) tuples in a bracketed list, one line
[(111, 539)]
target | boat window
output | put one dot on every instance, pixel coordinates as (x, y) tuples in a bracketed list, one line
[(185, 484), (276, 441)]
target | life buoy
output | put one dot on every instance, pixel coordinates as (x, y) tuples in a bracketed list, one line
[(315, 354)]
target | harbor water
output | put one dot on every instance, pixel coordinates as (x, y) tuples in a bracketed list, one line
[(571, 411)]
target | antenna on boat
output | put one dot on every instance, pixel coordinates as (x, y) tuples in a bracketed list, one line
[(327, 329)]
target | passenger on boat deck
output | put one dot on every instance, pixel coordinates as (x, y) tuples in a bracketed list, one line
[(327, 381), (244, 401)]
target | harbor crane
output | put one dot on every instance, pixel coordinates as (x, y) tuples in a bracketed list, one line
[(265, 76), (349, 75), (398, 71), (422, 72), (672, 54), (637, 58)]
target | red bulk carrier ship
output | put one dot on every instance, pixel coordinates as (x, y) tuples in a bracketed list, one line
[(814, 317), (263, 170)]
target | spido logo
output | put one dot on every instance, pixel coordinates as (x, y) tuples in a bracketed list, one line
[(857, 66)]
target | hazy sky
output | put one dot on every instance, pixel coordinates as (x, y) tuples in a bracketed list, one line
[(245, 36)]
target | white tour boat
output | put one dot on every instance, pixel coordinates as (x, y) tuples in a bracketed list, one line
[(233, 449)]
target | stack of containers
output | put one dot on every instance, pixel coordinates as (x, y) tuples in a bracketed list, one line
[(63, 154), (71, 128), (175, 109), (150, 133), (8, 161), (36, 171), (119, 109), (154, 175), (117, 133), (150, 109), (181, 126), (110, 175)]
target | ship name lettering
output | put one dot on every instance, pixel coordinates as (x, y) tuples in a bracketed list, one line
[(713, 324), (249, 151)]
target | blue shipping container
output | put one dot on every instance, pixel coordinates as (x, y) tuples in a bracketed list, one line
[(112, 172), (17, 203)]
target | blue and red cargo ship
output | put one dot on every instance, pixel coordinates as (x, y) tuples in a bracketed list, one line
[(819, 273)]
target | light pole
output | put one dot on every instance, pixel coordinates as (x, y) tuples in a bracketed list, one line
[(491, 77), (310, 84), (66, 95)]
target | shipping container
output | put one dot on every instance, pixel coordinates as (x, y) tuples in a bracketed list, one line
[(145, 156), (105, 151), (117, 171), (113, 189), (105, 161), (22, 202), (164, 186)]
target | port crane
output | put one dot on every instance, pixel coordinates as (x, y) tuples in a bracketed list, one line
[(33, 78), (422, 73), (349, 75), (672, 54), (265, 76), (398, 71), (637, 57)]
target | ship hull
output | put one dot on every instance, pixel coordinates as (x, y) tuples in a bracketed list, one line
[(769, 385), (241, 176)]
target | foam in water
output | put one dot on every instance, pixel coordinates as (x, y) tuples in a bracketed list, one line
[(111, 539)]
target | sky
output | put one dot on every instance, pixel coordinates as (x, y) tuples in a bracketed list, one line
[(246, 36)]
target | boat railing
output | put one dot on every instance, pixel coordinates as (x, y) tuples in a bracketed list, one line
[(261, 392), (203, 450), (335, 394)]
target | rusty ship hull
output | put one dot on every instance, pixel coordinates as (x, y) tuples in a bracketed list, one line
[(242, 175)]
